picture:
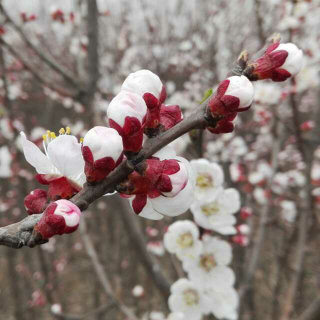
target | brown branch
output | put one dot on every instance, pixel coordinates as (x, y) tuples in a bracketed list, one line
[(20, 234), (43, 56), (89, 315), (100, 272), (312, 312), (135, 233), (35, 72)]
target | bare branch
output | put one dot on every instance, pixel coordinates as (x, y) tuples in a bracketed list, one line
[(312, 312), (19, 234), (43, 56), (102, 276)]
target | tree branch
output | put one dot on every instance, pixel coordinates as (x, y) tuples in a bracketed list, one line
[(312, 312), (20, 234)]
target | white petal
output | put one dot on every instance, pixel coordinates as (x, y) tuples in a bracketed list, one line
[(65, 154), (35, 157), (148, 212), (176, 205)]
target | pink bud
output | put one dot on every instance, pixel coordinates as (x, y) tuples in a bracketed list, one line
[(60, 217), (127, 114), (280, 62), (36, 201), (102, 151), (245, 213), (149, 86), (233, 95), (241, 240), (243, 229), (307, 126)]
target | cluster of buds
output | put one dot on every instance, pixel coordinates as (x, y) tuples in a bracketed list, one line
[(279, 62), (161, 187), (60, 217), (102, 151), (233, 95), (139, 108), (58, 15)]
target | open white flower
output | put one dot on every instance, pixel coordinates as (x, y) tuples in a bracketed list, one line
[(224, 303), (210, 269), (176, 316), (209, 179), (62, 158), (218, 215), (182, 238), (169, 205), (186, 297)]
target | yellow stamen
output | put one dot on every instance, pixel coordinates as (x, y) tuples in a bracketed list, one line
[(81, 140), (62, 131), (68, 130), (44, 137), (52, 135)]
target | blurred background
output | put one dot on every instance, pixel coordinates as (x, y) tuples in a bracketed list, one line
[(61, 63)]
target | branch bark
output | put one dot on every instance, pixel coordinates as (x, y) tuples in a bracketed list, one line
[(312, 312), (20, 234)]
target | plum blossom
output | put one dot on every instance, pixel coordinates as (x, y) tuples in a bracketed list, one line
[(288, 210), (147, 85), (182, 238), (235, 94), (62, 165), (127, 114), (186, 297), (176, 316), (165, 188), (218, 215), (209, 179), (102, 151), (224, 303), (280, 62), (210, 268), (60, 217)]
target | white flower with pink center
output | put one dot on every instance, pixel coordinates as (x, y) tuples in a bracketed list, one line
[(188, 298), (182, 239)]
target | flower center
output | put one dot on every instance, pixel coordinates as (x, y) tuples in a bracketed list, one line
[(210, 209), (204, 181), (207, 262), (185, 240), (190, 297)]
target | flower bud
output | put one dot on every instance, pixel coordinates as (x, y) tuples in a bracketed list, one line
[(149, 86), (241, 240), (102, 151), (234, 94), (127, 114), (225, 125), (280, 62), (170, 116), (60, 217), (36, 201)]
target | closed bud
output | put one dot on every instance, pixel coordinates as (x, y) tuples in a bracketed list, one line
[(36, 201), (102, 151), (170, 116), (60, 217), (241, 240), (280, 62), (127, 114), (148, 86)]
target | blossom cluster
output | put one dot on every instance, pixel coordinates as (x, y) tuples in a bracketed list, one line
[(209, 287)]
